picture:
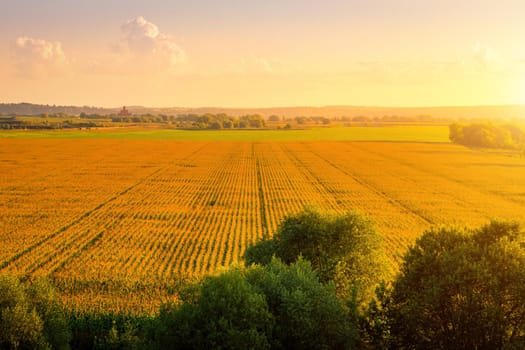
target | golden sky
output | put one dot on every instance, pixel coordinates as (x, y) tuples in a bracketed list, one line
[(244, 53)]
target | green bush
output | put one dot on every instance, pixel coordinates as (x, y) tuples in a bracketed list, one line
[(487, 135), (276, 306), (344, 249), (30, 316), (461, 289)]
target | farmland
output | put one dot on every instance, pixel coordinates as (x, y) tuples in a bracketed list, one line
[(417, 133), (119, 222)]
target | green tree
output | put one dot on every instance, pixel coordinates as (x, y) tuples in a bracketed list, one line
[(487, 135), (221, 312), (21, 327), (30, 317), (374, 322), (227, 124), (276, 306), (262, 252), (56, 328), (456, 133), (307, 313), (216, 125), (461, 289), (344, 248)]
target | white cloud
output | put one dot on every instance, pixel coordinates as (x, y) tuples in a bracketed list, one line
[(147, 45), (486, 58), (37, 57)]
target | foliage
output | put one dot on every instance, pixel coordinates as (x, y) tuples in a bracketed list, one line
[(307, 313), (341, 248), (457, 289), (487, 135), (276, 306), (222, 312), (108, 330), (316, 120), (30, 316), (461, 289), (374, 322), (56, 328), (262, 252), (196, 121)]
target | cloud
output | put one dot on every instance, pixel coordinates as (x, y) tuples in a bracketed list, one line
[(144, 42), (37, 58), (485, 58), (142, 50)]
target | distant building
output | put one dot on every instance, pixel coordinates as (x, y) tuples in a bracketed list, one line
[(124, 112)]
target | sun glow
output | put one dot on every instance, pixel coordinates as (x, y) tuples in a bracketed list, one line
[(521, 90), (263, 54)]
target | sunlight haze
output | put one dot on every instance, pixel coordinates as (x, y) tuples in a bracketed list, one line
[(263, 53)]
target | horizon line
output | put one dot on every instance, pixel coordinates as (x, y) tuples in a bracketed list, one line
[(275, 107)]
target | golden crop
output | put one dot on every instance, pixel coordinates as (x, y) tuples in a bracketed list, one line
[(119, 224)]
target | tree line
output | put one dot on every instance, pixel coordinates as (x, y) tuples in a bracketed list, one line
[(198, 121), (37, 109), (318, 283), (182, 121), (488, 135), (9, 123)]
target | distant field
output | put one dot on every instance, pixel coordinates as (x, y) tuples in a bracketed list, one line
[(117, 224), (385, 133)]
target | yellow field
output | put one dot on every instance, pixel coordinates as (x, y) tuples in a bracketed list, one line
[(118, 223)]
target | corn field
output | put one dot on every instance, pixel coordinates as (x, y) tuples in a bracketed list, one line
[(120, 224)]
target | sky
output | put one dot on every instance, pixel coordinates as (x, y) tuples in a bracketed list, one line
[(246, 53)]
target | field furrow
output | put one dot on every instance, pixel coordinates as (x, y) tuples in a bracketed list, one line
[(121, 225)]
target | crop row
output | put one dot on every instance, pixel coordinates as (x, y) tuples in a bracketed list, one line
[(131, 220)]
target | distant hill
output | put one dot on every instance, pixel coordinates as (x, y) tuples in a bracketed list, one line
[(468, 112), (35, 109)]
